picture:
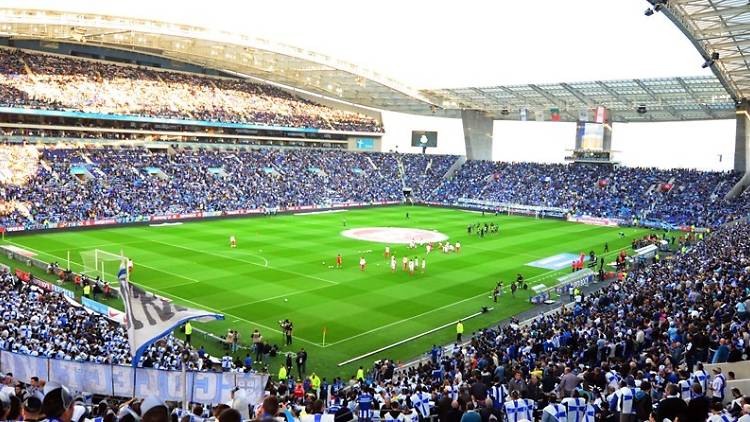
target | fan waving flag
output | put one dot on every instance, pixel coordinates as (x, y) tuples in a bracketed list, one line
[(150, 317)]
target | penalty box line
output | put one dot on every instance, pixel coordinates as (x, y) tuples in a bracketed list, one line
[(173, 296), (312, 277)]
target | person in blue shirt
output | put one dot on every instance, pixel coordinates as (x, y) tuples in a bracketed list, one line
[(248, 362), (364, 405), (722, 352)]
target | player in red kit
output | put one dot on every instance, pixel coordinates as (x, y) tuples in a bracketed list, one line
[(339, 261)]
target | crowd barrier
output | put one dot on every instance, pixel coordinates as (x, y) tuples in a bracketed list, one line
[(122, 381), (126, 381)]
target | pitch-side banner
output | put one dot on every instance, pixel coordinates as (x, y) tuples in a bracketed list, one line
[(112, 380), (150, 317)]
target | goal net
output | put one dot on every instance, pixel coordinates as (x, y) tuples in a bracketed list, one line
[(99, 263)]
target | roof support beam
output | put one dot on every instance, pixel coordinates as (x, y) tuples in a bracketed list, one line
[(554, 100), (692, 94), (626, 102), (651, 93), (578, 94), (718, 12)]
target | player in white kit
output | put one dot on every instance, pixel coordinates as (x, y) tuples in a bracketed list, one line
[(393, 264), (411, 267), (362, 263)]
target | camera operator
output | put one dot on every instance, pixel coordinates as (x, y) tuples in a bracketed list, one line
[(287, 327)]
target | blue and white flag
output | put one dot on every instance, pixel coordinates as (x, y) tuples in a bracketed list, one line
[(150, 317), (122, 273)]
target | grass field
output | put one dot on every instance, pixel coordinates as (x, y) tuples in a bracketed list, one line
[(278, 271)]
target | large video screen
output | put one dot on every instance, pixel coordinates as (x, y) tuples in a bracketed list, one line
[(593, 136), (365, 143), (421, 138)]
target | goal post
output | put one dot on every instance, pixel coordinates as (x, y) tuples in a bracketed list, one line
[(99, 263)]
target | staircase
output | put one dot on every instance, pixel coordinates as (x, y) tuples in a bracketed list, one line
[(455, 167), (28, 70), (401, 173), (741, 186), (86, 158), (372, 163)]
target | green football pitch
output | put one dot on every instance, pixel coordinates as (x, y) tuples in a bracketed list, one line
[(283, 267)]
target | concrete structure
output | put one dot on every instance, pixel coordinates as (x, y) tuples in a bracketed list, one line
[(478, 129), (742, 139)]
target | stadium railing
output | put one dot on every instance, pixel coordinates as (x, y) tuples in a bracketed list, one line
[(126, 381)]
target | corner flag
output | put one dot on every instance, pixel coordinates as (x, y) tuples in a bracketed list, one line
[(150, 317)]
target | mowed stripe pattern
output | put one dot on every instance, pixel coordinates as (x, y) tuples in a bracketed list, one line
[(288, 257)]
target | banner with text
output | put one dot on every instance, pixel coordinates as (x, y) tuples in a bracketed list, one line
[(114, 380)]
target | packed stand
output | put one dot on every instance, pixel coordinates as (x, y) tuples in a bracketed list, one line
[(633, 351), (65, 83), (424, 173), (45, 324), (83, 184), (675, 196)]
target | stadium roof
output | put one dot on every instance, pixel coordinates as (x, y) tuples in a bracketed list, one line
[(680, 98), (717, 26), (671, 99)]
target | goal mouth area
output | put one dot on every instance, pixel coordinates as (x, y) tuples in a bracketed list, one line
[(102, 264)]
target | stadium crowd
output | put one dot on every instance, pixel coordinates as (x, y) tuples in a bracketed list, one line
[(44, 81), (632, 351), (73, 185), (46, 324), (675, 196)]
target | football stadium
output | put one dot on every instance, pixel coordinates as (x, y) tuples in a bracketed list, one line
[(210, 217)]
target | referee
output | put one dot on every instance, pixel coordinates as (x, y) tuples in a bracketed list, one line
[(459, 331)]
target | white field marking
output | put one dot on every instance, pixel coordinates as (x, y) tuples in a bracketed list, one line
[(101, 245), (165, 224), (414, 337), (473, 212), (407, 319), (319, 212), (295, 293), (446, 306), (192, 280), (199, 305), (521, 324), (247, 262), (300, 338), (472, 246)]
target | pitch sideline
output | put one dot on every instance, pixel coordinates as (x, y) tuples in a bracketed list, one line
[(536, 277), (173, 296)]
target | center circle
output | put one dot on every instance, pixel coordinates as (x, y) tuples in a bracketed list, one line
[(398, 235)]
